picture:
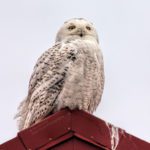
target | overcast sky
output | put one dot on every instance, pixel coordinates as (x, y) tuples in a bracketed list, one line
[(28, 28)]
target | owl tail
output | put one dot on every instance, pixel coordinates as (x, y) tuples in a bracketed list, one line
[(22, 113), (27, 121)]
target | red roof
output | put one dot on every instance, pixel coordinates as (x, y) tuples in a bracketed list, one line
[(74, 130)]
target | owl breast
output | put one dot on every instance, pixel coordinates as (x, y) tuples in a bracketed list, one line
[(82, 88)]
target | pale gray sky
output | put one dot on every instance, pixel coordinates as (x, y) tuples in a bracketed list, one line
[(28, 28)]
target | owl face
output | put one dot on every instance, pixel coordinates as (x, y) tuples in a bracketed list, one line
[(77, 29)]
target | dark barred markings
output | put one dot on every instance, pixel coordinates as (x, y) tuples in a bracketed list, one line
[(71, 55)]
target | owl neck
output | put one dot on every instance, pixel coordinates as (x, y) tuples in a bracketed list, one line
[(86, 39), (76, 37)]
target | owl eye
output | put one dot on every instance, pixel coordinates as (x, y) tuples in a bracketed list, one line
[(88, 28), (71, 27)]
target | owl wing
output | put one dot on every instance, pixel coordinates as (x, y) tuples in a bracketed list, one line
[(46, 83), (100, 81), (42, 66)]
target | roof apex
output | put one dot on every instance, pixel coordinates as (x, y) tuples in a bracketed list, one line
[(66, 124)]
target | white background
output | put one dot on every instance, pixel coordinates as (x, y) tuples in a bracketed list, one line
[(28, 28)]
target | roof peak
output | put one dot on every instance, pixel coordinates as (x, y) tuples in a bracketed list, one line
[(66, 126)]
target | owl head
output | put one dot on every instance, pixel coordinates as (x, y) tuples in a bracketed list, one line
[(77, 28)]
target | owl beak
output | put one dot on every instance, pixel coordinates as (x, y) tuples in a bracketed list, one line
[(81, 32)]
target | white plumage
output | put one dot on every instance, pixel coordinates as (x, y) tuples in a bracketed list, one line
[(70, 74)]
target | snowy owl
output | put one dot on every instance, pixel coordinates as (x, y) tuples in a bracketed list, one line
[(70, 74)]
